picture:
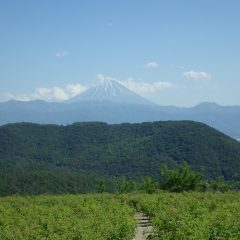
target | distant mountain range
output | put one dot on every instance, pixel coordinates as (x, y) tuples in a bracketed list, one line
[(111, 102)]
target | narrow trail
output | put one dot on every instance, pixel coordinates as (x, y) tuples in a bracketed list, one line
[(144, 227)]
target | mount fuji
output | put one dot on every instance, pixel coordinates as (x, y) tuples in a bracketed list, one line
[(113, 91), (112, 102)]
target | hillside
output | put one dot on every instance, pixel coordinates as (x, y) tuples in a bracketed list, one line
[(50, 158)]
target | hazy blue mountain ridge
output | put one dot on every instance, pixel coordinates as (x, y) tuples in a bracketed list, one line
[(111, 102)]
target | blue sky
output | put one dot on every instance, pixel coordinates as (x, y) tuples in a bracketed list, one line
[(172, 52)]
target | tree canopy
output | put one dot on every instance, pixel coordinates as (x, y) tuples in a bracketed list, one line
[(49, 158)]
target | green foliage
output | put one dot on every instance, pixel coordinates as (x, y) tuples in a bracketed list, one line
[(121, 185), (219, 184), (188, 216), (179, 180), (131, 186), (124, 186), (191, 216), (101, 187), (37, 159), (89, 217), (149, 185)]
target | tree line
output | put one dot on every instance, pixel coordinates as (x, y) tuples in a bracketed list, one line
[(172, 180)]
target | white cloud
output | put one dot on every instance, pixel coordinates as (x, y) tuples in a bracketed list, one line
[(74, 89), (50, 94), (58, 94), (54, 94), (9, 96), (141, 88), (61, 54), (151, 65), (145, 89), (102, 78), (196, 75)]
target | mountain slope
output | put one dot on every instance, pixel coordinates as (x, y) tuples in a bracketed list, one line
[(113, 91), (49, 158)]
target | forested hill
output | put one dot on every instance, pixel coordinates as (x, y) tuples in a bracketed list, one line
[(50, 158)]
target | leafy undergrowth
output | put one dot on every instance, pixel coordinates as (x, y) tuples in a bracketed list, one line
[(195, 216), (85, 217), (183, 216)]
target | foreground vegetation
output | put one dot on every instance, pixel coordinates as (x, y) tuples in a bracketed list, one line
[(195, 216), (186, 216), (80, 217)]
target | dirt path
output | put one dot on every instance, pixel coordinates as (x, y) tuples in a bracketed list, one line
[(144, 227)]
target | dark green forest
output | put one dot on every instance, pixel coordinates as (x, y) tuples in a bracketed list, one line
[(38, 159)]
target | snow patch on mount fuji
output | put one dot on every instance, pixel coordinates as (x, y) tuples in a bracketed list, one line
[(113, 91)]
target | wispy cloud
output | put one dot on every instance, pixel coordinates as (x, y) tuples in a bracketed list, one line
[(144, 88), (196, 75), (102, 77), (61, 54), (141, 88), (181, 67), (10, 96), (109, 24), (54, 94), (58, 94), (151, 65)]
